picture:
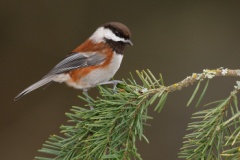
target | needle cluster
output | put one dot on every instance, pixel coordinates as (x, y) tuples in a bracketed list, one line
[(111, 129)]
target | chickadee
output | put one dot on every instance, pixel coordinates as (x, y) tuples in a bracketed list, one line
[(93, 62)]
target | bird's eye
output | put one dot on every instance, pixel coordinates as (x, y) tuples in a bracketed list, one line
[(117, 33)]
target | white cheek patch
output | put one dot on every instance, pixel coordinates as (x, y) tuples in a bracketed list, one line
[(104, 33), (110, 35)]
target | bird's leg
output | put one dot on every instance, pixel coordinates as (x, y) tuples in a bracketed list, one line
[(114, 82), (85, 91)]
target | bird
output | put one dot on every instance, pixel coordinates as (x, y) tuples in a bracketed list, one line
[(92, 63)]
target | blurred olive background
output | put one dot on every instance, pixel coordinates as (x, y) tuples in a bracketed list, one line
[(175, 38)]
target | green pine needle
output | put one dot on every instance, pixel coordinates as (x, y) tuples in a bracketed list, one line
[(209, 135), (194, 93), (110, 131), (203, 93)]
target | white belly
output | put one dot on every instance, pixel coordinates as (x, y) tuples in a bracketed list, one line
[(99, 75)]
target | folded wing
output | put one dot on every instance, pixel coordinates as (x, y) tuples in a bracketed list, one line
[(71, 62)]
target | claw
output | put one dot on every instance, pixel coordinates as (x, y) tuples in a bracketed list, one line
[(114, 82)]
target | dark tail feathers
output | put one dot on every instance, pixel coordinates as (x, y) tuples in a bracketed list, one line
[(34, 86)]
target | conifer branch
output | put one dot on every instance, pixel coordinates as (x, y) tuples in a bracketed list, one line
[(111, 130), (207, 74)]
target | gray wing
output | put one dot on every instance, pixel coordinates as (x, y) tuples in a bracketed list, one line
[(71, 62), (77, 60)]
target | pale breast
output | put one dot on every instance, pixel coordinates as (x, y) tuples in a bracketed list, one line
[(100, 74)]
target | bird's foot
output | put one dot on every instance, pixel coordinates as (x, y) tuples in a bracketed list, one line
[(113, 82)]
